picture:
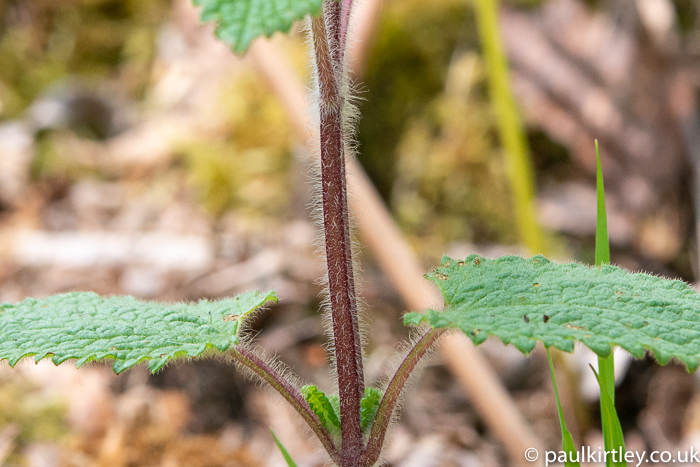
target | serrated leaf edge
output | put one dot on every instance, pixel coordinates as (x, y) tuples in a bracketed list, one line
[(154, 364), (525, 343)]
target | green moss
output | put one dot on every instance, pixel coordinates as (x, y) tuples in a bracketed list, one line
[(36, 417), (687, 11), (427, 143), (247, 166), (89, 38), (405, 72)]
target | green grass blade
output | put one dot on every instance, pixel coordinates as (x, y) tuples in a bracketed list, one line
[(286, 455), (567, 440), (606, 365), (612, 431)]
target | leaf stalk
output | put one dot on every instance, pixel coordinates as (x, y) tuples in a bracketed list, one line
[(392, 395), (289, 392)]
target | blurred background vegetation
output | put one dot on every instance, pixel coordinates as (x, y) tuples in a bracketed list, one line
[(125, 117), (427, 136), (44, 43)]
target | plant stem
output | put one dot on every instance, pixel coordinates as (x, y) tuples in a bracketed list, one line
[(333, 15), (290, 393), (510, 127), (336, 225), (392, 395)]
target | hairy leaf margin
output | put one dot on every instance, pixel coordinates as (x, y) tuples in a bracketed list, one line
[(523, 301), (87, 327), (239, 22)]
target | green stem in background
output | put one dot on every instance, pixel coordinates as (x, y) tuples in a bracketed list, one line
[(606, 365), (612, 431), (510, 127), (568, 445)]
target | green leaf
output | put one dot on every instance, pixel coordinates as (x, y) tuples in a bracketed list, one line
[(567, 440), (569, 448), (87, 327), (238, 22), (335, 403), (328, 407), (287, 457), (614, 440), (323, 408), (523, 301), (368, 407)]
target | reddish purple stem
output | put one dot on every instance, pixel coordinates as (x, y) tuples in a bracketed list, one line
[(336, 225), (392, 395), (329, 38), (290, 393)]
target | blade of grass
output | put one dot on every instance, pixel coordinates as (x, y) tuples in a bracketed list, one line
[(567, 440), (615, 454), (286, 455), (606, 365)]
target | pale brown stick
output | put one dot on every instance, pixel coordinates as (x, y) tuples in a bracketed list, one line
[(384, 239)]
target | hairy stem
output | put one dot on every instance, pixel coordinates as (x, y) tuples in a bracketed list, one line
[(336, 225), (392, 395), (333, 15), (290, 393)]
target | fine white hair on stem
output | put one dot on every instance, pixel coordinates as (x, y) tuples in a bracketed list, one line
[(349, 114), (273, 362), (413, 357), (397, 358)]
